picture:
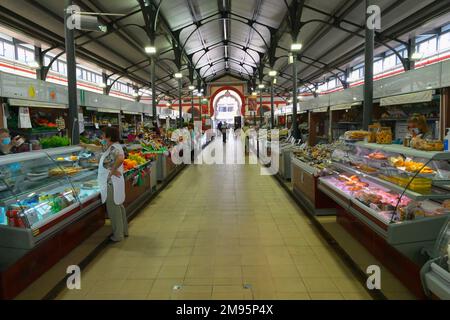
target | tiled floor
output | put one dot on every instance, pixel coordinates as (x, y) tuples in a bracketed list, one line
[(220, 232)]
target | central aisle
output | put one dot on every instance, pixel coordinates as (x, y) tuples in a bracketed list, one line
[(219, 232)]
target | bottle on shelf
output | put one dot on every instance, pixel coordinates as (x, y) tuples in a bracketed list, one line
[(447, 140)]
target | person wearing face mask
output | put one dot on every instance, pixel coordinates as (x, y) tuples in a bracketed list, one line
[(111, 181), (8, 145), (418, 128)]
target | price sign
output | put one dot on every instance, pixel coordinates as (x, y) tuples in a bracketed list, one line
[(24, 117)]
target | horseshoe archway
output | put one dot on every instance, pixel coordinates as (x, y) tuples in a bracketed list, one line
[(221, 91)]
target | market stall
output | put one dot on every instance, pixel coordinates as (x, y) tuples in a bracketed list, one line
[(49, 204), (41, 125), (392, 198), (307, 165), (139, 181)]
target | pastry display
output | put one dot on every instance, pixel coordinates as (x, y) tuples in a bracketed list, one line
[(61, 171), (427, 145), (373, 129), (384, 135), (356, 135)]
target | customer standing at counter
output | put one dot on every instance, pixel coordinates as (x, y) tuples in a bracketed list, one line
[(112, 182)]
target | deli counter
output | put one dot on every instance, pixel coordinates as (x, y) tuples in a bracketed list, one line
[(393, 199), (50, 203)]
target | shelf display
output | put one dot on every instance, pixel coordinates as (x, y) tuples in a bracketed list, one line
[(318, 156)]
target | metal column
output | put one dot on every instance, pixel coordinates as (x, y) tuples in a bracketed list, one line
[(272, 111), (295, 131), (153, 79), (368, 73), (260, 109), (71, 78), (180, 107), (192, 106)]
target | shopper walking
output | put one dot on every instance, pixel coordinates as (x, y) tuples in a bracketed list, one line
[(112, 182), (224, 132)]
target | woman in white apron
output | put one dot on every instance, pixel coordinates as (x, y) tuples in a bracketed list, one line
[(112, 183)]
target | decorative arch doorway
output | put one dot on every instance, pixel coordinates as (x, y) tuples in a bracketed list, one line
[(226, 104)]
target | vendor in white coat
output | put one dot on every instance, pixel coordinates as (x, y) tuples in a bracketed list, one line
[(112, 182)]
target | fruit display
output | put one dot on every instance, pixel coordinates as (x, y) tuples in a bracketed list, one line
[(54, 142), (138, 157), (129, 164), (44, 123), (384, 135)]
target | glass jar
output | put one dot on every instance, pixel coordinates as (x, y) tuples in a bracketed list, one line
[(372, 137), (384, 135)]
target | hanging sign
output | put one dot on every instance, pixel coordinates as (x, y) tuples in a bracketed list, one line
[(24, 117), (31, 92), (52, 94), (60, 123), (81, 121)]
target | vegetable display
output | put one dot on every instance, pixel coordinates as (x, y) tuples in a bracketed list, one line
[(54, 142)]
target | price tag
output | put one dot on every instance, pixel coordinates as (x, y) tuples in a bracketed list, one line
[(96, 125), (24, 117), (69, 197)]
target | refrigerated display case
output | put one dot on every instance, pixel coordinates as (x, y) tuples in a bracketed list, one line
[(436, 272), (307, 165), (49, 203), (393, 200), (398, 191)]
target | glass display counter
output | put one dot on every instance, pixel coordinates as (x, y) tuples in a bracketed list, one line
[(400, 193), (307, 165), (436, 272), (41, 191)]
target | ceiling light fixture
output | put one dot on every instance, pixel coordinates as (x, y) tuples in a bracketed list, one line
[(416, 56), (178, 75), (296, 47), (261, 86), (150, 50), (272, 73), (191, 87), (34, 64)]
